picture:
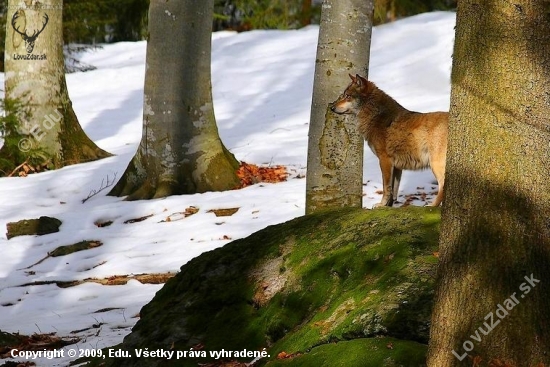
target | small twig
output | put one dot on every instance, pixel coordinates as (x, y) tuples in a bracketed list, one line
[(18, 168), (36, 263), (102, 187)]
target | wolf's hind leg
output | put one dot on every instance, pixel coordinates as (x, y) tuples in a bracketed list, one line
[(386, 168)]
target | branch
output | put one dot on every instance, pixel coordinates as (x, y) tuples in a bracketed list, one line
[(102, 187), (18, 168)]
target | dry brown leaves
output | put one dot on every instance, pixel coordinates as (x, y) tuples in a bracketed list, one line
[(153, 278), (25, 169), (412, 197), (251, 174), (285, 355), (181, 215), (36, 342)]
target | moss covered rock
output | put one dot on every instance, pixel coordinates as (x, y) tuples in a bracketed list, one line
[(302, 288)]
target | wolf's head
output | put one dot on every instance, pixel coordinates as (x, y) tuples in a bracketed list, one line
[(350, 101)]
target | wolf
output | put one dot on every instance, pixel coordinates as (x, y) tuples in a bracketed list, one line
[(401, 139)]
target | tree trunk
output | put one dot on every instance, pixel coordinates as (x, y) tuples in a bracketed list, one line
[(306, 13), (180, 150), (335, 147), (495, 235), (35, 76)]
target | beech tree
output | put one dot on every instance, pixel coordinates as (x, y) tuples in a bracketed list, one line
[(180, 150), (335, 147), (492, 304), (47, 128)]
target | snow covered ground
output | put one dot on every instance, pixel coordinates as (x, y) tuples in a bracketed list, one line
[(262, 84)]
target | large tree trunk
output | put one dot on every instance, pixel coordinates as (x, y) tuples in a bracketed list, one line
[(495, 235), (335, 147), (35, 76), (180, 150)]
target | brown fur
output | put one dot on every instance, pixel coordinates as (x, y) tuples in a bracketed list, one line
[(401, 139)]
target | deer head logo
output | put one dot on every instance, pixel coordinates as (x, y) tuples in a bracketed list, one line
[(29, 39)]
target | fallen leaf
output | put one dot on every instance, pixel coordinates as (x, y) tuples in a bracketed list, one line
[(224, 212), (103, 224), (283, 355), (136, 220), (181, 215)]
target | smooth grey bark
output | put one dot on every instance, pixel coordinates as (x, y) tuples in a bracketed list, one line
[(35, 76), (335, 147), (492, 303), (180, 151)]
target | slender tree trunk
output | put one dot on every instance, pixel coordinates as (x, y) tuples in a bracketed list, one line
[(306, 12), (180, 150), (493, 294), (335, 147), (35, 76)]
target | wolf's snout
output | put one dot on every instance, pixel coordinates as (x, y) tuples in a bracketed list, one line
[(332, 106)]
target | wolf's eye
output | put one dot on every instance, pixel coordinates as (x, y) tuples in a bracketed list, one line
[(347, 98)]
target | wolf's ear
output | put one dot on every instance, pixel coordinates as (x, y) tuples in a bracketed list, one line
[(353, 79), (359, 80)]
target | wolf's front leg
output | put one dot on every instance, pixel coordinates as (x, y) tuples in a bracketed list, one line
[(386, 167), (395, 181)]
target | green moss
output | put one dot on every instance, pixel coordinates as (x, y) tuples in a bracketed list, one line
[(24, 148), (19, 148), (327, 277), (220, 173), (371, 352), (76, 146)]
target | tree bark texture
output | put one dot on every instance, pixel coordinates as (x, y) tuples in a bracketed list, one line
[(493, 294), (180, 151), (335, 147), (35, 76)]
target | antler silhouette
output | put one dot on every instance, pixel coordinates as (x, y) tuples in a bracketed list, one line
[(29, 40)]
